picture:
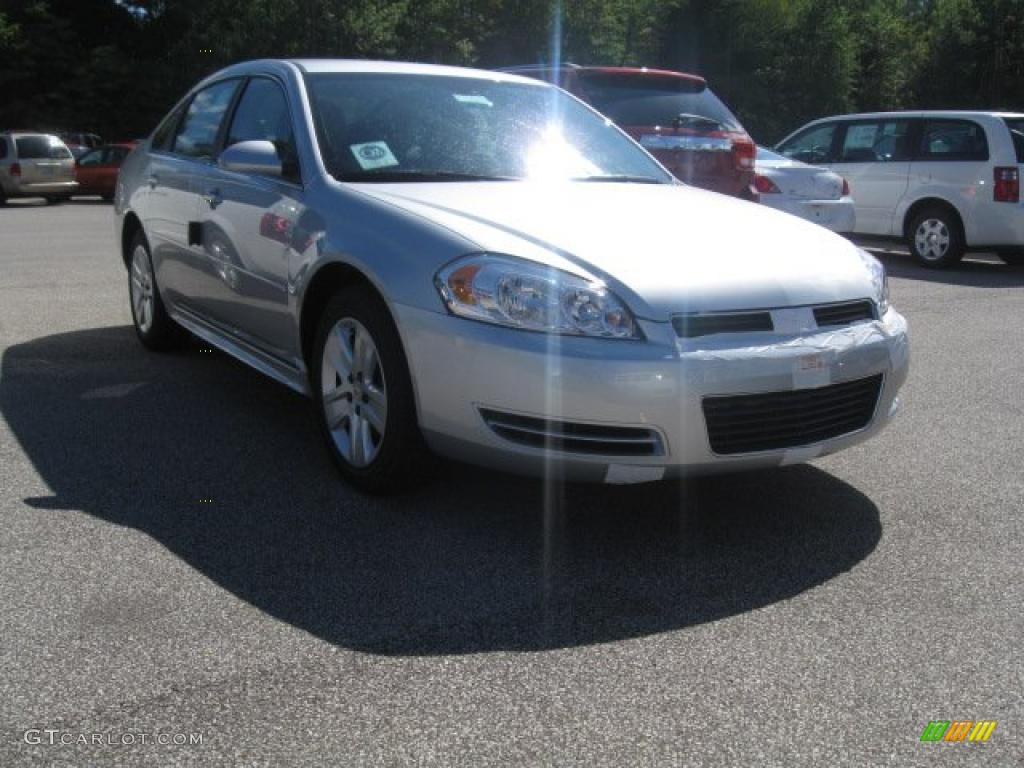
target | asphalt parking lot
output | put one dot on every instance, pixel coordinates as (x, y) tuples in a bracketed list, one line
[(177, 556)]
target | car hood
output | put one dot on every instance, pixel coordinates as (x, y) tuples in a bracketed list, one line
[(665, 248)]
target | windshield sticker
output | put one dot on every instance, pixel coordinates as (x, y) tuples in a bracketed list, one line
[(472, 98), (373, 154)]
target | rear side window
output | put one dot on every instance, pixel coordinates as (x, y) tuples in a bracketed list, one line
[(262, 115), (952, 140), (41, 148), (197, 134), (813, 145), (641, 100), (875, 141), (1016, 126)]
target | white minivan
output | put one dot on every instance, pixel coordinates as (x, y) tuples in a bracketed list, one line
[(943, 181)]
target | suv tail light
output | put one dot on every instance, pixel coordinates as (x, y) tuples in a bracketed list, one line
[(846, 188), (765, 186), (15, 169), (743, 153), (1007, 186)]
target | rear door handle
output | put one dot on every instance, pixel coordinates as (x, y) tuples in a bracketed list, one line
[(153, 180)]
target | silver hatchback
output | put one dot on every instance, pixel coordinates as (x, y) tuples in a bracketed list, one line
[(35, 165), (481, 265)]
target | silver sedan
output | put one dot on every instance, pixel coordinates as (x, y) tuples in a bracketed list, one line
[(480, 265)]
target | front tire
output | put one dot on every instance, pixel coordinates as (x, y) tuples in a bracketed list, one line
[(363, 395), (935, 238), (153, 325), (1015, 259)]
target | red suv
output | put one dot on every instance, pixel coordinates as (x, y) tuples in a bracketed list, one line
[(675, 116)]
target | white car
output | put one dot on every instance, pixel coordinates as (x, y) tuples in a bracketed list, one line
[(812, 193), (945, 182)]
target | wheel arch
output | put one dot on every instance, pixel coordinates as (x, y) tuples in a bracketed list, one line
[(327, 281), (933, 202), (131, 226)]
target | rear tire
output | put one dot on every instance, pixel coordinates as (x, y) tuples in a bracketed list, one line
[(935, 237), (154, 327), (363, 395)]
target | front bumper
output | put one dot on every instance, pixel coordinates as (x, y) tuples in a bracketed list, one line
[(460, 367)]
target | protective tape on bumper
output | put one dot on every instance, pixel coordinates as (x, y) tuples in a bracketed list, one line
[(829, 344)]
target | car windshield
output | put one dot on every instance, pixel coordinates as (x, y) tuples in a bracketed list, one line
[(641, 99), (403, 127)]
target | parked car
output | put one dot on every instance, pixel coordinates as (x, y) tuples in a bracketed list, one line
[(96, 170), (478, 263), (942, 181), (808, 191), (80, 142), (674, 115), (35, 165)]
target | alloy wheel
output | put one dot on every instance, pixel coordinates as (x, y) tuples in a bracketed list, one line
[(142, 289), (353, 392), (932, 239)]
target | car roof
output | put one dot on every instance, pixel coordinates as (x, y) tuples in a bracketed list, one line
[(367, 66), (568, 67), (21, 134), (921, 113)]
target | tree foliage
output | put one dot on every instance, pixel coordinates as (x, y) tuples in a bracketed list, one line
[(114, 66)]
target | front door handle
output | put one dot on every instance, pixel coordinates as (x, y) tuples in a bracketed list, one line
[(213, 197)]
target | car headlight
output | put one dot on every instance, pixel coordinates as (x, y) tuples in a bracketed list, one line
[(879, 281), (523, 294)]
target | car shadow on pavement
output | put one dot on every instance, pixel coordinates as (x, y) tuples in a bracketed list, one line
[(224, 469)]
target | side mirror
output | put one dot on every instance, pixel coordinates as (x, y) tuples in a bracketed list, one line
[(251, 157)]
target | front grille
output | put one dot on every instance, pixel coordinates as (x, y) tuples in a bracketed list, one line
[(574, 437), (693, 325), (776, 420), (847, 313)]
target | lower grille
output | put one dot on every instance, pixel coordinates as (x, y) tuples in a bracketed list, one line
[(693, 325), (847, 313), (596, 439), (776, 420)]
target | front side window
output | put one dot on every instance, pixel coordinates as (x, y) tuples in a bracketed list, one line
[(811, 146), (197, 134), (95, 157), (262, 115), (163, 136), (116, 155), (952, 140), (876, 141), (387, 127)]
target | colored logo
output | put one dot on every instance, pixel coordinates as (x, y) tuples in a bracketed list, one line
[(958, 730), (371, 152)]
